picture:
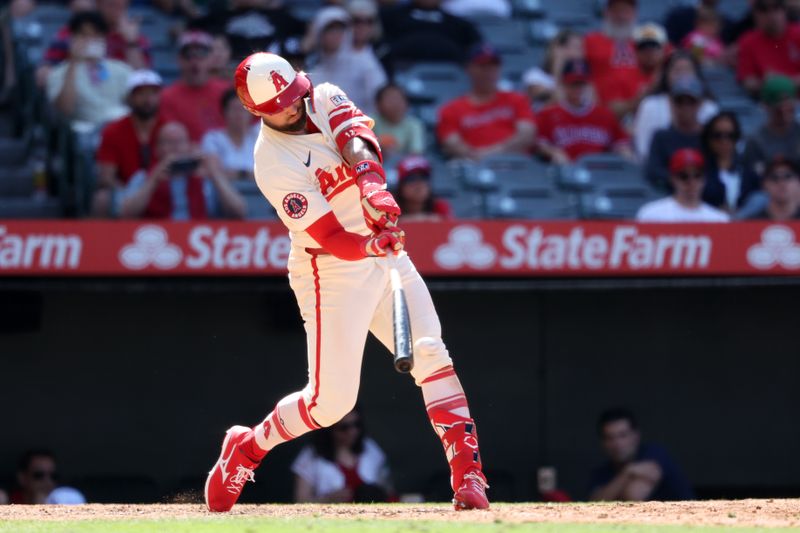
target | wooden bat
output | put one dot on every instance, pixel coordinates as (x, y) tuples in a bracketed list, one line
[(403, 348)]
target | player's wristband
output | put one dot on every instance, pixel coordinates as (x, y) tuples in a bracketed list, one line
[(370, 176)]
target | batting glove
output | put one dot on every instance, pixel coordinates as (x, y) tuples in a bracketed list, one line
[(379, 206), (385, 242)]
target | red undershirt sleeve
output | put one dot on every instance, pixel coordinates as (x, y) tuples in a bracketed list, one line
[(331, 235)]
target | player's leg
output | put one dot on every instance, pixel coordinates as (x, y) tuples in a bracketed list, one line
[(337, 303), (442, 392)]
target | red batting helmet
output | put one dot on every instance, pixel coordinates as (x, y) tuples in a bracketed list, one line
[(267, 83)]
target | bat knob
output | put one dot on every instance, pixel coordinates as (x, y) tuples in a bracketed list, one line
[(404, 366)]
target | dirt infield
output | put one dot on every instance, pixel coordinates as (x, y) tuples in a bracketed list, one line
[(764, 513)]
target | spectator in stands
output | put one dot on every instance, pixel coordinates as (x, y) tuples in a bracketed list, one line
[(414, 194), (782, 184), (486, 121), (780, 134), (250, 25), (124, 41), (772, 48), (684, 132), (89, 87), (342, 465), (728, 182), (194, 98), (611, 52), (366, 24), (422, 31), (180, 185), (36, 478), (399, 132), (705, 42), (359, 75), (577, 125), (540, 83), (221, 58), (186, 9), (654, 112), (623, 98), (684, 19), (635, 471), (687, 179), (127, 144), (233, 145)]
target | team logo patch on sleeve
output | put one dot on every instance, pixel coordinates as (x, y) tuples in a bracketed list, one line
[(295, 205), (339, 99)]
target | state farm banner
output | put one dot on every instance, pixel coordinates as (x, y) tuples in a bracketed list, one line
[(457, 248)]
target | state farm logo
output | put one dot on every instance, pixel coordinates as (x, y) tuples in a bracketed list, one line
[(150, 246), (777, 247), (465, 247)]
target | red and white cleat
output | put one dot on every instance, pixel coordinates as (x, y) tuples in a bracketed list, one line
[(232, 470), (472, 492)]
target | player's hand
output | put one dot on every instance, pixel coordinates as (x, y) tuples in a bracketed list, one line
[(379, 206), (387, 241)]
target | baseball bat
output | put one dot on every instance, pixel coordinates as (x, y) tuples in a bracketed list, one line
[(403, 349)]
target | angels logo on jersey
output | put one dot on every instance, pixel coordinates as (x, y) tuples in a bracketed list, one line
[(295, 205)]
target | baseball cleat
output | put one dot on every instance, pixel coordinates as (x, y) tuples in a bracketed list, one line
[(472, 492), (232, 470)]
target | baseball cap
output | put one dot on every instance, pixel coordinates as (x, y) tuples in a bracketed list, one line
[(650, 33), (195, 38), (575, 71), (143, 78), (780, 160), (685, 158), (777, 88), (483, 54), (413, 166), (687, 86)]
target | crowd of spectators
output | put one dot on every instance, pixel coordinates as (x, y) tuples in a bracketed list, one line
[(630, 87)]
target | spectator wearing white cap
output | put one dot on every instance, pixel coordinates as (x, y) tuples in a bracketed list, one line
[(333, 60), (367, 28), (89, 87), (193, 100), (127, 144), (233, 145)]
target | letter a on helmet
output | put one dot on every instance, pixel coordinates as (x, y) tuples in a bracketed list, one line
[(267, 83)]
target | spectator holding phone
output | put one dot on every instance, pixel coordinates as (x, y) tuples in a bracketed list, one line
[(233, 145), (180, 185), (89, 87)]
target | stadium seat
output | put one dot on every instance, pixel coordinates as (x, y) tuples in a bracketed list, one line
[(27, 207), (609, 170), (515, 174), (722, 82), (515, 64), (506, 35), (258, 208), (465, 204), (433, 83), (165, 62), (751, 115), (616, 203), (539, 205)]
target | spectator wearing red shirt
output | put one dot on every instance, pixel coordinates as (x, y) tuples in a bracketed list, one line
[(578, 126), (651, 47), (486, 121), (127, 144), (611, 52), (414, 194), (124, 41), (194, 99), (773, 47)]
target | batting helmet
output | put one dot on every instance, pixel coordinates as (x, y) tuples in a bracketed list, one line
[(267, 83)]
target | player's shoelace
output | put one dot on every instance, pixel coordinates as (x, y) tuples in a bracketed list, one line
[(475, 479), (242, 476)]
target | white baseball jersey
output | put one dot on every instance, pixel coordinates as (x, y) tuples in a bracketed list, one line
[(304, 176)]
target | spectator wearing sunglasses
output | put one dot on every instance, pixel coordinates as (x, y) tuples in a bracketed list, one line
[(782, 185), (728, 181), (770, 48), (686, 96), (341, 465), (37, 478), (686, 175)]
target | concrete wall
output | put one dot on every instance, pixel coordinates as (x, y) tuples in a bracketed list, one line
[(143, 383)]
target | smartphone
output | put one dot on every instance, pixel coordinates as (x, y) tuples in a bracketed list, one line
[(184, 166)]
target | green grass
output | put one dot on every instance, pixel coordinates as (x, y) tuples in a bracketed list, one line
[(313, 525)]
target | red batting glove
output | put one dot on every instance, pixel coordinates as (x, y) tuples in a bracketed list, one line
[(385, 242), (379, 206)]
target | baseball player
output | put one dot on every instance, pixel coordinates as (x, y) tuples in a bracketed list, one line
[(318, 163)]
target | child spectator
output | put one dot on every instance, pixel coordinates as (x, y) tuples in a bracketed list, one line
[(180, 184), (782, 184), (341, 465), (194, 98), (576, 125), (704, 41), (233, 145), (486, 121), (398, 132), (687, 179), (414, 194), (540, 83)]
